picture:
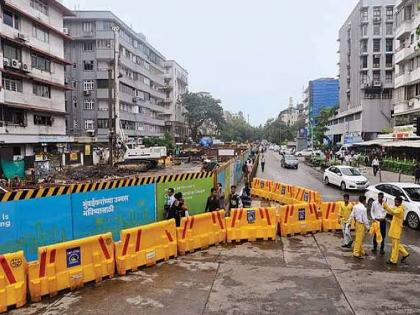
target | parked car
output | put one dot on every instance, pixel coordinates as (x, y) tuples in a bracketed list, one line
[(289, 161), (305, 153), (345, 177), (410, 193)]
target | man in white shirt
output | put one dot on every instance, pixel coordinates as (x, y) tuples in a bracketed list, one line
[(378, 213), (359, 215), (375, 165)]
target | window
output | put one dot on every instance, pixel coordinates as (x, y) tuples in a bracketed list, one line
[(88, 104), (12, 84), (376, 29), (40, 63), (363, 46), (87, 27), (376, 14), (364, 15), (388, 61), (12, 52), (389, 45), (42, 90), (388, 77), (42, 120), (88, 85), (376, 75), (364, 62), (104, 43), (363, 77), (102, 84), (146, 81), (13, 116), (40, 5), (389, 13), (74, 102), (89, 124), (11, 19), (364, 29), (376, 45), (88, 46), (88, 65), (389, 28), (40, 33), (102, 123)]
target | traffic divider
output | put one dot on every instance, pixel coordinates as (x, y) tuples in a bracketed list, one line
[(71, 264), (200, 231), (282, 193), (12, 280), (251, 224), (258, 187), (306, 195), (299, 219), (330, 219), (145, 245)]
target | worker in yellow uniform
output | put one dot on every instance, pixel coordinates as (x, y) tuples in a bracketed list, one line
[(395, 231), (359, 215), (344, 210)]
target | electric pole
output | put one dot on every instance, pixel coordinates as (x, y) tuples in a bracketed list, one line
[(111, 129)]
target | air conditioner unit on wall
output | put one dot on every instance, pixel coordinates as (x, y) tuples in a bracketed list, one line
[(16, 64), (26, 67), (86, 92), (410, 103), (6, 62), (66, 31)]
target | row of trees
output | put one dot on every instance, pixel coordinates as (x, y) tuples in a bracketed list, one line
[(204, 115)]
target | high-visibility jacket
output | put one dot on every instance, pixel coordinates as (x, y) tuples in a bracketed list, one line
[(397, 221), (375, 229), (344, 211)]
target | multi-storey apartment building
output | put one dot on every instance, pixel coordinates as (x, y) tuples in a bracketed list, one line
[(176, 84), (143, 100), (407, 62), (366, 74), (32, 94)]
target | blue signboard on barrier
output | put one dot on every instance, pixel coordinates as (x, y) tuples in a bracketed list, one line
[(27, 224), (113, 210)]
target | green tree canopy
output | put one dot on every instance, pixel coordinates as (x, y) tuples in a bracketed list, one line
[(320, 127)]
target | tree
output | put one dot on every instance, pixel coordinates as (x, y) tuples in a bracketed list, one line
[(321, 124), (201, 108), (236, 128)]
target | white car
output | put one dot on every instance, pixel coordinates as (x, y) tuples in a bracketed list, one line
[(305, 153), (345, 177), (410, 193)]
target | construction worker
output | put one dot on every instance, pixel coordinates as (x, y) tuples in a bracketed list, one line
[(395, 231), (359, 214), (344, 210), (378, 213)]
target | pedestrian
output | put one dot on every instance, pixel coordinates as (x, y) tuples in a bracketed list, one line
[(169, 200), (378, 213), (375, 165), (262, 163), (178, 209), (245, 171), (213, 201), (417, 174), (395, 231), (359, 215), (221, 195), (347, 158), (234, 200), (344, 211), (246, 196)]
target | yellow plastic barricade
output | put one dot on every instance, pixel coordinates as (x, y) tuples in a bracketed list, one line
[(145, 245), (12, 280), (251, 224), (330, 220), (201, 231), (306, 195), (256, 190), (70, 265), (268, 187), (299, 219)]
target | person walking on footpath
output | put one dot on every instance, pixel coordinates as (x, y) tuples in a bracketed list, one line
[(178, 209), (378, 213), (213, 201), (359, 215), (375, 165), (344, 211), (417, 174), (234, 200), (169, 201), (262, 163), (395, 231)]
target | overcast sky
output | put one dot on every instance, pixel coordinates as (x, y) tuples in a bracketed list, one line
[(250, 54)]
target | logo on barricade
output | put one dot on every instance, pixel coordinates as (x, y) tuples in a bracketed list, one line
[(16, 262), (305, 196), (250, 215), (283, 190), (262, 185), (301, 214), (150, 255), (73, 257)]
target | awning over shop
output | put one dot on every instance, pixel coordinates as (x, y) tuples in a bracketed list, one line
[(402, 144), (380, 142)]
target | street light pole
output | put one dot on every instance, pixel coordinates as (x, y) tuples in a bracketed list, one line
[(111, 130)]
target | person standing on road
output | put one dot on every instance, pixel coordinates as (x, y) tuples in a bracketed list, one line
[(234, 200), (378, 213), (359, 215), (169, 201), (375, 165), (221, 195), (344, 211), (262, 163), (417, 174), (178, 209), (395, 231), (213, 201)]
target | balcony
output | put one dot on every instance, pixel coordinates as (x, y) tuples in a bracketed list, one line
[(404, 30)]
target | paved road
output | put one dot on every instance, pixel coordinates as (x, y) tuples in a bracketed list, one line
[(296, 275)]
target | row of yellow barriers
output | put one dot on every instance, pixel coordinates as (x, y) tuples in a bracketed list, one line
[(72, 264)]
